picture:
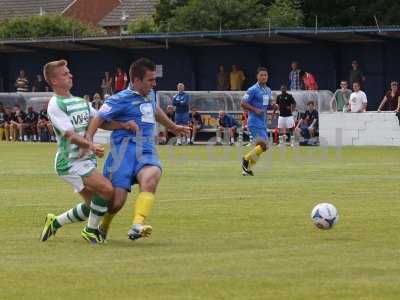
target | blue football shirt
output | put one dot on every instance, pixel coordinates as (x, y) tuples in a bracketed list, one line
[(259, 97)]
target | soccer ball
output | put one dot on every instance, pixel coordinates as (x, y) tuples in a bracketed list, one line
[(324, 216)]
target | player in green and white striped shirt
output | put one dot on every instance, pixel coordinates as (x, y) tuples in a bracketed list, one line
[(75, 159)]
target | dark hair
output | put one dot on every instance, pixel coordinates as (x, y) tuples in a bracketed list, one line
[(139, 67), (261, 69), (310, 102)]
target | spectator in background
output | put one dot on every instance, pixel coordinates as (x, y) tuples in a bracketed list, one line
[(222, 79), (22, 82), (4, 124), (181, 103), (341, 97), (391, 99), (237, 79), (358, 99), (30, 125), (272, 126), (229, 123), (307, 127), (356, 74), (39, 85), (44, 126), (121, 80), (87, 98), (106, 84), (195, 124), (97, 102), (286, 105), (309, 81), (295, 82), (17, 122), (171, 115)]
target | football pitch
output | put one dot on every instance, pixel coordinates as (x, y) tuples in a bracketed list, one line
[(216, 234)]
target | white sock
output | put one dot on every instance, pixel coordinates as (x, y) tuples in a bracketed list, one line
[(218, 139)]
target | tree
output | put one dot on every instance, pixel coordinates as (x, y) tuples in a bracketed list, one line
[(45, 26), (285, 13), (164, 11), (199, 15), (142, 25)]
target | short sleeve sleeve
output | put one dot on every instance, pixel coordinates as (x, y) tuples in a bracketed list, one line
[(248, 96), (111, 109), (59, 118)]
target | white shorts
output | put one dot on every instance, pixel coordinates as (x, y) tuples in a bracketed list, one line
[(78, 170), (286, 122)]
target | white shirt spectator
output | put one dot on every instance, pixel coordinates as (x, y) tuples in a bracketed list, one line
[(357, 101)]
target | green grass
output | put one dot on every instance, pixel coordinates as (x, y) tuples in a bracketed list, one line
[(216, 234)]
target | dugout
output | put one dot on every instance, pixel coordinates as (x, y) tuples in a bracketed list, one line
[(193, 57)]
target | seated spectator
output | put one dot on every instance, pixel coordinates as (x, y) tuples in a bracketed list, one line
[(4, 124), (97, 102), (307, 127), (358, 99), (44, 127), (22, 82), (30, 125), (245, 127), (309, 81), (391, 99), (229, 123), (39, 85), (195, 124), (340, 100), (17, 122)]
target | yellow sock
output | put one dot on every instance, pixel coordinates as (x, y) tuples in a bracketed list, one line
[(105, 224), (143, 205), (253, 155)]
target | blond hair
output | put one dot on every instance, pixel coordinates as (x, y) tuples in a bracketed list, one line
[(48, 70)]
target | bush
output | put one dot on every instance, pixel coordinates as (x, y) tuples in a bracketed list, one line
[(142, 25), (45, 26)]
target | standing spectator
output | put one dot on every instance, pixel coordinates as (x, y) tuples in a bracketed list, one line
[(121, 80), (237, 79), (44, 125), (17, 123), (392, 98), (195, 124), (97, 102), (106, 84), (228, 122), (39, 85), (22, 82), (286, 106), (181, 103), (309, 81), (295, 82), (4, 123), (30, 124), (307, 127), (340, 100), (358, 99), (356, 74), (222, 80)]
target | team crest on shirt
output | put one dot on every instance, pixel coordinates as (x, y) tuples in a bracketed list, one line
[(105, 108)]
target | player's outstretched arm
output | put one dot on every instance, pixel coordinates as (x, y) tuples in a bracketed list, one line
[(94, 124), (163, 119)]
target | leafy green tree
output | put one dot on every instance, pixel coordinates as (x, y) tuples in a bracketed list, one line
[(285, 13), (142, 25), (45, 26), (199, 15)]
